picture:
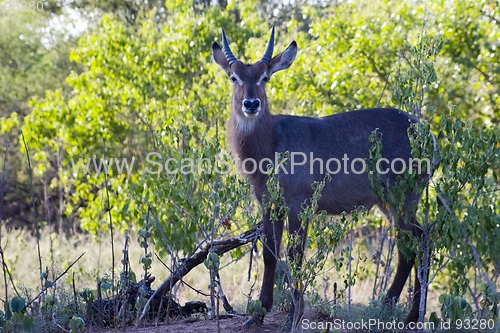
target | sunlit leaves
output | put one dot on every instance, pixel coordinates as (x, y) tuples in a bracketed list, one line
[(152, 87)]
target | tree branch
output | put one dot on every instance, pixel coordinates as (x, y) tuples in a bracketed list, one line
[(218, 246)]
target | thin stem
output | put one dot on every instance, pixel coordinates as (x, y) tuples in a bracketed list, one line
[(198, 291), (74, 294), (349, 268), (2, 189), (55, 280), (380, 251), (108, 207), (37, 229)]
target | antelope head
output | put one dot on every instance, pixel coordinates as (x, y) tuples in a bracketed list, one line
[(249, 80)]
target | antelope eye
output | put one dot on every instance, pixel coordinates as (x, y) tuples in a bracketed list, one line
[(233, 79), (265, 79)]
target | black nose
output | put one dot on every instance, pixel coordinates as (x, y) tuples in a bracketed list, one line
[(251, 105)]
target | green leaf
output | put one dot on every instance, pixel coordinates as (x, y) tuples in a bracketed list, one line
[(17, 304), (28, 323), (76, 324), (8, 311)]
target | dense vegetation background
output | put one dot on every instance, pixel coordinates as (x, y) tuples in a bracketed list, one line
[(84, 83)]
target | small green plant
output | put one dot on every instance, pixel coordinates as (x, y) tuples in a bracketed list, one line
[(143, 236), (282, 296), (146, 260), (88, 298), (212, 261), (300, 273), (490, 304), (76, 325), (15, 317), (454, 307), (256, 310), (48, 301), (106, 285)]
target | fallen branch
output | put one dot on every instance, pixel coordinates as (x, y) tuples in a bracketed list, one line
[(218, 246)]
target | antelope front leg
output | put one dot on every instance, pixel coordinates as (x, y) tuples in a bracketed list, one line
[(405, 264), (298, 232), (273, 232)]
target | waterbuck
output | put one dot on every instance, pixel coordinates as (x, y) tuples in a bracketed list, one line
[(255, 135)]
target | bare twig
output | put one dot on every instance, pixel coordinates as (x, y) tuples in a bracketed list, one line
[(349, 271), (108, 208), (214, 271), (145, 266), (225, 302), (55, 280), (382, 93), (160, 229), (2, 191), (492, 17), (5, 267), (254, 246), (37, 229), (125, 282), (388, 265), (376, 68), (74, 293), (379, 259), (198, 291), (7, 271), (173, 257), (486, 76), (424, 266)]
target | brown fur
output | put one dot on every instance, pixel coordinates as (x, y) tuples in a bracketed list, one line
[(254, 133)]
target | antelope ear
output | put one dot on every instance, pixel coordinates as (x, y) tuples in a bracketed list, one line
[(284, 59), (220, 58)]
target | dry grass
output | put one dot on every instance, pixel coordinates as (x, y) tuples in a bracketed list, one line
[(59, 252)]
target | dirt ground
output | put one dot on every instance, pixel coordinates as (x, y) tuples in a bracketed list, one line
[(272, 323)]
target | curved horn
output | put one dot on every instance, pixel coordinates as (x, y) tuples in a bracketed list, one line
[(269, 51), (231, 59)]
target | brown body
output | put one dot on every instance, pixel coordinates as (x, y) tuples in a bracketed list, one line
[(256, 134)]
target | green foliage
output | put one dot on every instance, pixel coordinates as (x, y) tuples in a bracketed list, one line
[(147, 93), (282, 297), (106, 284), (76, 324), (143, 236), (151, 87), (454, 307), (34, 58), (88, 298), (212, 262), (28, 65), (470, 163), (17, 304), (134, 84), (256, 310), (299, 273), (460, 220), (15, 317)]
